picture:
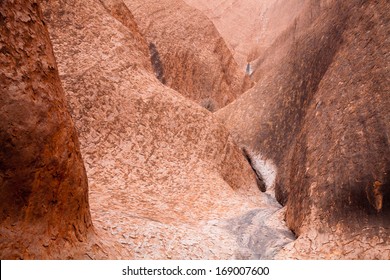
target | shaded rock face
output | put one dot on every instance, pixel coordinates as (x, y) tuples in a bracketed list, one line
[(156, 63), (194, 58), (43, 184), (321, 118), (156, 161)]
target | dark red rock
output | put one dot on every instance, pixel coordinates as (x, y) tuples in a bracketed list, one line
[(43, 185), (341, 155)]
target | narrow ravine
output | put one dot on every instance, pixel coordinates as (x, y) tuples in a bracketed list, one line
[(130, 129)]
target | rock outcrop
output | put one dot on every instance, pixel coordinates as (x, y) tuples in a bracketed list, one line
[(193, 58), (156, 161), (44, 210), (168, 178), (250, 27), (320, 118)]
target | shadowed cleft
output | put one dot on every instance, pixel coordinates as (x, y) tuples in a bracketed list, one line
[(156, 63), (259, 178)]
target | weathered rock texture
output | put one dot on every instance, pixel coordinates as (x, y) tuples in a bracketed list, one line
[(166, 179), (250, 27), (193, 57), (44, 210), (321, 118)]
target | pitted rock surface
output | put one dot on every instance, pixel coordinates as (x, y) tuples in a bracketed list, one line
[(168, 179), (194, 57), (44, 209), (156, 161), (319, 116)]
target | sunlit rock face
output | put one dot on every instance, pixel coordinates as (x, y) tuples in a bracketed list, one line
[(250, 27), (166, 179), (320, 116)]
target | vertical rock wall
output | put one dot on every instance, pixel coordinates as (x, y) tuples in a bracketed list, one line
[(44, 208)]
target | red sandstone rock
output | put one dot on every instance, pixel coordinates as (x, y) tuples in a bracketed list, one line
[(43, 186), (193, 57), (166, 179), (320, 118), (250, 27)]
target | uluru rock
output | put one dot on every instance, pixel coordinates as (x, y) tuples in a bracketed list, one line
[(43, 185), (168, 179), (193, 58), (250, 27), (320, 118), (156, 161)]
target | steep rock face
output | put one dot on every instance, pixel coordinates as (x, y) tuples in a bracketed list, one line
[(250, 26), (320, 118), (192, 56), (156, 162), (44, 211), (120, 12)]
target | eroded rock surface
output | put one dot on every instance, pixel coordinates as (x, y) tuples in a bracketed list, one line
[(250, 27), (194, 58), (44, 211), (156, 161), (166, 179), (320, 118)]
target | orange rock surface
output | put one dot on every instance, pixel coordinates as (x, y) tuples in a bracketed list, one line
[(110, 150), (318, 117), (44, 209), (156, 161)]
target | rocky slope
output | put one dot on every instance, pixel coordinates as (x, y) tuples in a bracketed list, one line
[(188, 53), (250, 26), (155, 160), (166, 177), (319, 120)]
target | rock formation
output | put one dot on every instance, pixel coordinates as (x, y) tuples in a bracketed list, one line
[(43, 184), (320, 117), (250, 27), (194, 58), (168, 178), (156, 161)]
